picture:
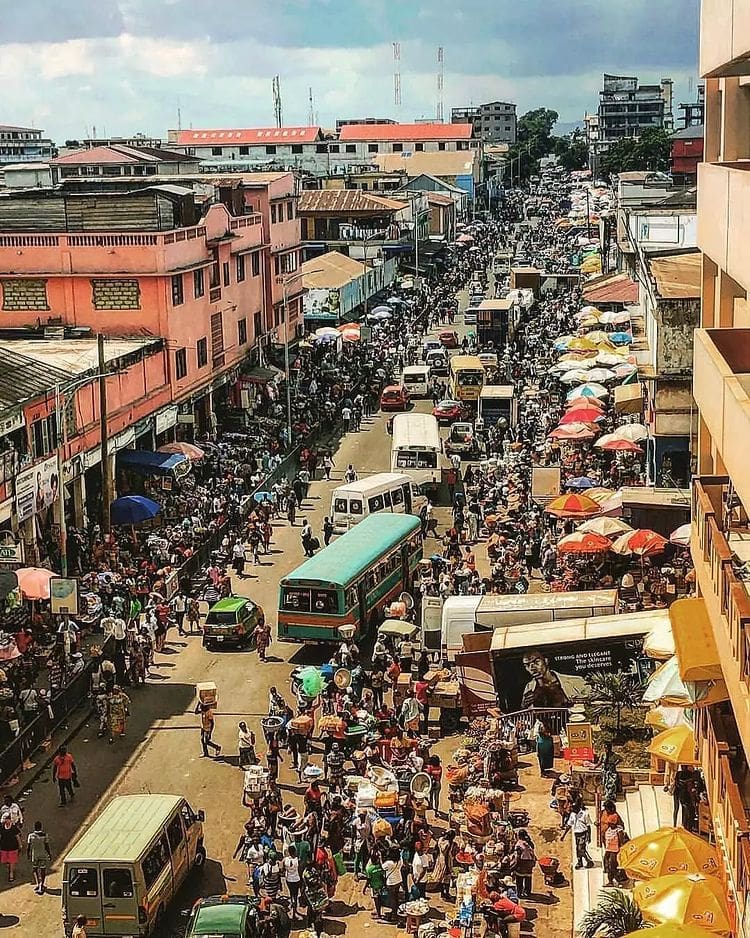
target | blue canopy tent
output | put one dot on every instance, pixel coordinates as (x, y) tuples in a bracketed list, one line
[(147, 463)]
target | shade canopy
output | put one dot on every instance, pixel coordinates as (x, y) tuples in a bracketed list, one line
[(606, 527), (581, 483), (573, 433), (579, 542), (189, 450), (667, 851), (147, 463), (589, 390), (572, 506), (676, 745), (34, 582), (643, 543), (133, 509), (681, 536), (680, 900)]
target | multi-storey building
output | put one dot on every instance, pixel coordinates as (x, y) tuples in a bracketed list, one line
[(119, 159), (24, 145), (626, 108), (365, 141), (721, 387), (493, 123)]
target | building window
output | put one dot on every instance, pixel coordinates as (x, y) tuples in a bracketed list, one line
[(115, 294), (202, 350), (273, 214), (215, 279), (25, 294), (270, 149), (256, 263), (351, 148), (217, 340), (257, 325), (289, 211), (216, 151), (296, 148), (178, 294), (199, 287), (242, 331), (441, 146), (180, 363), (225, 273), (276, 265), (462, 145), (372, 148), (240, 268), (397, 147), (321, 147), (334, 148), (244, 151), (419, 147)]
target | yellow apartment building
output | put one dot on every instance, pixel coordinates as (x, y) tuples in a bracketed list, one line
[(721, 490)]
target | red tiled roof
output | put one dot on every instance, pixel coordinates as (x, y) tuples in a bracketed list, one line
[(341, 201), (230, 137), (406, 132), (611, 288), (118, 153)]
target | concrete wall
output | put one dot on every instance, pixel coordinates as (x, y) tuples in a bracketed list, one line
[(677, 321)]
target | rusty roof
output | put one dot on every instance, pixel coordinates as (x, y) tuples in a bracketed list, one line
[(346, 201), (406, 132), (678, 276), (611, 288)]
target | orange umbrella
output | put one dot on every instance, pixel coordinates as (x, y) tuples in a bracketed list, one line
[(581, 542), (643, 543), (685, 900), (581, 415), (573, 433), (34, 582), (584, 402), (572, 506), (668, 850), (184, 449), (621, 446)]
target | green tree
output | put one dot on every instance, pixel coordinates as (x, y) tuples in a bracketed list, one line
[(613, 692), (650, 151), (572, 151), (614, 915)]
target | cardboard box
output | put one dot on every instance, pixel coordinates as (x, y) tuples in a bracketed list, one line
[(207, 693)]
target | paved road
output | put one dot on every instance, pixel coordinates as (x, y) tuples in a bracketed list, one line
[(161, 752)]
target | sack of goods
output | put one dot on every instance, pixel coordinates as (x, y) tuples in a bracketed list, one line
[(302, 724)]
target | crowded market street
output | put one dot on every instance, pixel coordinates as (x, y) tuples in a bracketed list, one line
[(375, 780)]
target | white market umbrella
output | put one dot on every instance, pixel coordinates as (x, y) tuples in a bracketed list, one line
[(578, 376), (635, 432), (607, 527), (681, 536), (609, 358), (380, 314), (600, 375)]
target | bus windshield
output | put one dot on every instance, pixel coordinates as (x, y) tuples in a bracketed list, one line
[(470, 379), (418, 460)]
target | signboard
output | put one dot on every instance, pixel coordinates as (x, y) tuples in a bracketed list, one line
[(580, 743), (545, 483), (37, 488), (11, 550), (171, 585), (63, 593), (165, 419)]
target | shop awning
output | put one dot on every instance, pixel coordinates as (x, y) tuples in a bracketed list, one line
[(153, 464), (628, 399), (260, 375), (697, 654)]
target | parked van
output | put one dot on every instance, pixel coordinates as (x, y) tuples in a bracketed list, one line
[(383, 491), (472, 311), (437, 361), (126, 869), (498, 401), (231, 621), (416, 379), (462, 614), (430, 344)]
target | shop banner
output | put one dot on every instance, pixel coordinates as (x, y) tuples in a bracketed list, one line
[(37, 488)]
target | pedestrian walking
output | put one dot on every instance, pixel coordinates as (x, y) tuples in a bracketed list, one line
[(328, 465), (579, 821), (39, 855), (306, 536), (245, 746), (118, 711), (79, 928), (292, 878), (351, 473), (10, 846), (208, 722), (238, 558), (327, 531), (12, 809), (64, 774), (179, 607), (262, 634), (194, 616)]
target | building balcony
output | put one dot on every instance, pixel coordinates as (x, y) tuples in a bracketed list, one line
[(720, 551), (725, 38), (723, 216), (721, 388), (727, 777)]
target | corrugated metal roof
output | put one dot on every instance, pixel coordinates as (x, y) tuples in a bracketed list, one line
[(124, 828), (119, 153), (256, 135), (678, 276), (346, 200), (439, 164), (24, 379), (611, 288), (406, 132), (330, 271)]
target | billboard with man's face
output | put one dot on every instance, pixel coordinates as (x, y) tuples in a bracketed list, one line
[(37, 488)]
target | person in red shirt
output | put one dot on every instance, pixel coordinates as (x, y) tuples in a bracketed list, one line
[(435, 770), (24, 639), (64, 773)]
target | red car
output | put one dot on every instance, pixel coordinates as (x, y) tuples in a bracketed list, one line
[(448, 411), (394, 397), (448, 339)]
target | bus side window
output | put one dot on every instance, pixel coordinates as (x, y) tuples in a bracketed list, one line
[(155, 861), (397, 497), (387, 499), (355, 506), (174, 832), (375, 503)]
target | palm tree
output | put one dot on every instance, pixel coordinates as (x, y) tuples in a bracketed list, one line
[(614, 915), (613, 691)]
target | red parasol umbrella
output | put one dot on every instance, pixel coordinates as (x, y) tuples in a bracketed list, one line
[(581, 542), (34, 582), (585, 402), (581, 415), (642, 542), (572, 506), (184, 449), (573, 433), (622, 446)]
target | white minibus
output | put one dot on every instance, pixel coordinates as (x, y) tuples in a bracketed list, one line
[(416, 447), (416, 379), (383, 491)]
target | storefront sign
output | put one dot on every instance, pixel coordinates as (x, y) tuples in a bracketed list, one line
[(123, 440), (171, 585), (165, 419), (580, 743), (9, 424), (11, 550), (37, 488), (63, 592)]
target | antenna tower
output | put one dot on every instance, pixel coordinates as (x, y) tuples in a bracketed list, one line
[(439, 113), (311, 111), (276, 87), (397, 74)]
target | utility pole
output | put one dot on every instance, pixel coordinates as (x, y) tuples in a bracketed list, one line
[(397, 77), (276, 89), (104, 433), (440, 74)]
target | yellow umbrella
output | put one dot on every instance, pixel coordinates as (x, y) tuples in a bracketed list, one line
[(664, 718), (671, 930), (685, 900), (583, 344), (666, 851), (676, 745)]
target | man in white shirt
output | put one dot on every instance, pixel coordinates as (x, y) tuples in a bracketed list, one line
[(579, 822), (419, 870), (12, 810)]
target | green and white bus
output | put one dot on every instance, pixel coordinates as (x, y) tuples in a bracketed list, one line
[(350, 581)]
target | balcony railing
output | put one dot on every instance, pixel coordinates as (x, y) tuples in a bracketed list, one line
[(728, 587)]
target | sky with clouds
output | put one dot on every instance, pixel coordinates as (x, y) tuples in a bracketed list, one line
[(127, 65)]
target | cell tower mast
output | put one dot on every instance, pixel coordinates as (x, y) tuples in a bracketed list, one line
[(311, 111), (276, 87), (397, 76), (439, 112)]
